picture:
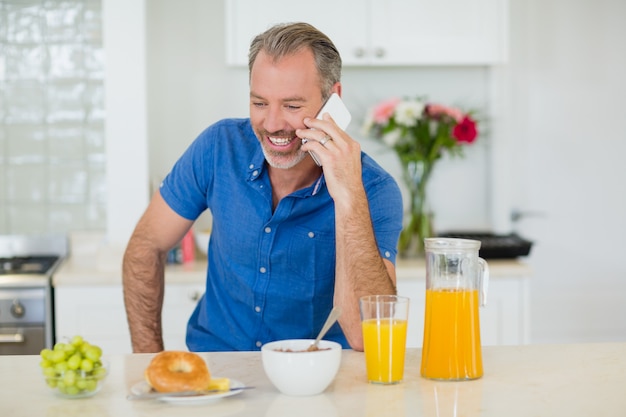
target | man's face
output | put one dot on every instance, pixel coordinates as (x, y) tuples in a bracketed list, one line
[(282, 94)]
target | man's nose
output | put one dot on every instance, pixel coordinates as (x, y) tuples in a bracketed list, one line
[(274, 120)]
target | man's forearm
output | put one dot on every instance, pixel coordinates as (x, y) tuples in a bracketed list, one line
[(143, 270), (360, 269)]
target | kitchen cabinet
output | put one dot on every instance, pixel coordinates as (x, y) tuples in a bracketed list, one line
[(383, 32), (97, 313), (90, 302), (505, 320)]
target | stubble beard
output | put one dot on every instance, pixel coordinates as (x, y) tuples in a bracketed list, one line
[(278, 159)]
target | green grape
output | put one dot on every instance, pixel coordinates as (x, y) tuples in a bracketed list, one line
[(100, 373), (77, 341), (69, 350), (93, 353), (69, 378), (44, 363), (57, 356), (75, 361), (83, 348), (50, 372), (81, 383), (46, 354), (92, 384), (86, 365), (60, 367)]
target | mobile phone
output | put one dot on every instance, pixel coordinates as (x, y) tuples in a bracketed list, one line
[(338, 111)]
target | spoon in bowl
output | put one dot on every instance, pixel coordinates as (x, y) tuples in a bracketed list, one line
[(332, 318)]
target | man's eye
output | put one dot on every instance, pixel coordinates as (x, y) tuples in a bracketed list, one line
[(258, 104), (291, 107)]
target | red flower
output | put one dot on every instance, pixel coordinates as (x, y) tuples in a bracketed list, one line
[(465, 131)]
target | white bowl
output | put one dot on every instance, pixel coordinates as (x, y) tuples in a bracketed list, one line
[(294, 371)]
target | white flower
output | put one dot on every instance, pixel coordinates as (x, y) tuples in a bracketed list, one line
[(392, 138), (409, 112)]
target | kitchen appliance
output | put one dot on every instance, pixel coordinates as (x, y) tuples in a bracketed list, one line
[(492, 246), (27, 263)]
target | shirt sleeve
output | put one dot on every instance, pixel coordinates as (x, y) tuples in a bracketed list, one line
[(386, 211), (185, 188)]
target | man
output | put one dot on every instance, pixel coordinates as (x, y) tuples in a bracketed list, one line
[(289, 239)]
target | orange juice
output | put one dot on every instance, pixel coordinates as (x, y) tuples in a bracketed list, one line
[(451, 347), (384, 344)]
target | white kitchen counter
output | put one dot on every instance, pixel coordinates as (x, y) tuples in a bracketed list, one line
[(537, 380), (96, 269)]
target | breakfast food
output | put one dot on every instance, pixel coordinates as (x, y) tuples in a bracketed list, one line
[(74, 368), (174, 371)]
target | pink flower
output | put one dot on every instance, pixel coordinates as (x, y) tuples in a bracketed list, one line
[(438, 110), (384, 110), (465, 131)]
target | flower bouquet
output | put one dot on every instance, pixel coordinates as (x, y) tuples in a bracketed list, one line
[(420, 132)]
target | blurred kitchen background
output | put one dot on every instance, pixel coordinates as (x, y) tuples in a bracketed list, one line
[(98, 98)]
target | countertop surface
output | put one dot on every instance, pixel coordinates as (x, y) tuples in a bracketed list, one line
[(106, 269), (531, 380)]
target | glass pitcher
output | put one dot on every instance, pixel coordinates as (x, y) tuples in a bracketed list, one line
[(456, 284)]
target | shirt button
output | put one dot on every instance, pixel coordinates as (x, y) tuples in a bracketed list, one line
[(251, 166), (387, 254), (311, 234), (268, 229), (257, 309), (258, 344), (262, 269), (255, 173)]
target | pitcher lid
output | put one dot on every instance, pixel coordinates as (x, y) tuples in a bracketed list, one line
[(451, 243)]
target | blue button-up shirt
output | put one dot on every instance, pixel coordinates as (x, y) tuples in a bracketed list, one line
[(270, 272)]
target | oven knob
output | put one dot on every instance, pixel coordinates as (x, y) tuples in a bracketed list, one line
[(17, 309)]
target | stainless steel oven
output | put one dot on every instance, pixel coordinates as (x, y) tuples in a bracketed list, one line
[(27, 263)]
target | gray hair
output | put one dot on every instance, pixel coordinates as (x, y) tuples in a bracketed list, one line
[(288, 38)]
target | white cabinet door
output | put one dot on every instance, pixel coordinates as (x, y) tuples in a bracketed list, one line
[(382, 32), (94, 312), (97, 313), (178, 304), (503, 321), (343, 21), (438, 32)]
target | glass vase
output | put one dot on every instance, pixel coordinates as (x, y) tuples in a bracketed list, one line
[(419, 225)]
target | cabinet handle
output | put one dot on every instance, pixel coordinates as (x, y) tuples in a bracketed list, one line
[(359, 52), (12, 338), (379, 52)]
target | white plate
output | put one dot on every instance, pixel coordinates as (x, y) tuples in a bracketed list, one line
[(143, 388)]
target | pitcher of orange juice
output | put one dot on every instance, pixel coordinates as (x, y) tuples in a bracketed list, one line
[(456, 285)]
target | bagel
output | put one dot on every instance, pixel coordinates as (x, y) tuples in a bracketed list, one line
[(174, 371)]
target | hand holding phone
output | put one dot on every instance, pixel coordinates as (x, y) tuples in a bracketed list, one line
[(340, 114)]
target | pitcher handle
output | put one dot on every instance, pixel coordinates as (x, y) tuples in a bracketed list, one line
[(484, 281)]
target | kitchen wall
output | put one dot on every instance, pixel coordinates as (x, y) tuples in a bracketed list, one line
[(554, 152), (190, 87), (52, 147), (554, 149)]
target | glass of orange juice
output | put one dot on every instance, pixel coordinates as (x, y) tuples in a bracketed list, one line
[(384, 323)]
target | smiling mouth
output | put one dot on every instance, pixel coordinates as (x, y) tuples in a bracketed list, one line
[(280, 141)]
